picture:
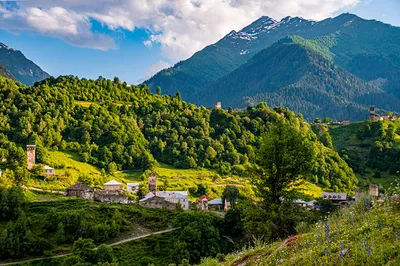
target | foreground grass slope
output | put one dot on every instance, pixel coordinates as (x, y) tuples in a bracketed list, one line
[(353, 236)]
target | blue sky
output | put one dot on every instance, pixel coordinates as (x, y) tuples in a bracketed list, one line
[(133, 42)]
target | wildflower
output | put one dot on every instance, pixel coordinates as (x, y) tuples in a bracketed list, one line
[(308, 246), (327, 230), (326, 251), (379, 225), (352, 221), (367, 203), (341, 245), (341, 255), (319, 235), (398, 235), (338, 230), (369, 251)]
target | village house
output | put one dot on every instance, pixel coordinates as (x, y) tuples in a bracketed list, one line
[(337, 199), (113, 186), (110, 196), (132, 187), (202, 203), (175, 197), (301, 203), (4, 160), (216, 204), (373, 190), (48, 171), (218, 105), (386, 117), (80, 190), (156, 202)]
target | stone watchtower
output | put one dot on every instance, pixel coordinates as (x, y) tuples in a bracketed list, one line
[(152, 182), (372, 113), (218, 105), (30, 156), (373, 190)]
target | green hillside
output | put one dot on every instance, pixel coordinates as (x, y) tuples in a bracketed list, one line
[(131, 129), (371, 149), (298, 74)]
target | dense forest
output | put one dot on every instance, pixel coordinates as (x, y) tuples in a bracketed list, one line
[(113, 125), (370, 145)]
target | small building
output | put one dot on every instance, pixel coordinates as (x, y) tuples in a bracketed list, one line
[(110, 196), (301, 203), (311, 204), (157, 202), (4, 160), (216, 204), (202, 203), (48, 171), (132, 187), (152, 182), (218, 105), (175, 197), (344, 122), (337, 199), (357, 193), (113, 186), (373, 190), (80, 190)]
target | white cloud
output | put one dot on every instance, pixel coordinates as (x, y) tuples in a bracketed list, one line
[(153, 69), (182, 27)]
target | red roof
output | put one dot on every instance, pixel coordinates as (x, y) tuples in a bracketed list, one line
[(203, 198)]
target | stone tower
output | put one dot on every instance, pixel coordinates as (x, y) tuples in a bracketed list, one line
[(357, 192), (218, 105), (372, 112), (30, 156), (152, 182), (373, 190)]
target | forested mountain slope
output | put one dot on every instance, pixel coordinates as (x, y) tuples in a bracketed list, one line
[(5, 73), (128, 127), (371, 148), (366, 48), (298, 74), (23, 69)]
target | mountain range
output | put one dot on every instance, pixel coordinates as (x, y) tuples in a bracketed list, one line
[(335, 67), (21, 68)]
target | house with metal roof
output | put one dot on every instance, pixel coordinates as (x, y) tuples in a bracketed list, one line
[(113, 186), (337, 199), (80, 190), (170, 196)]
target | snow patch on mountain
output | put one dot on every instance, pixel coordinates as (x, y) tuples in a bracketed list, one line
[(3, 46)]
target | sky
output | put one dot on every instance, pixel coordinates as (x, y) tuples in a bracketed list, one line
[(134, 39)]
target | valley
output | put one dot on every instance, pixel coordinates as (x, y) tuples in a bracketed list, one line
[(277, 144)]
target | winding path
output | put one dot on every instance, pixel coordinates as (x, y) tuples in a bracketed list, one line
[(68, 254)]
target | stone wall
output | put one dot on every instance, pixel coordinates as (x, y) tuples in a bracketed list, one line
[(110, 196), (157, 203)]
